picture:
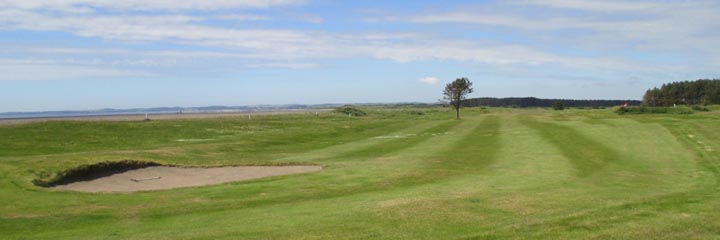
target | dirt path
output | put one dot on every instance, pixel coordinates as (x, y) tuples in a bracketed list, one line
[(157, 178)]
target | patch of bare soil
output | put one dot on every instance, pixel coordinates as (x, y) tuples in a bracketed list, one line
[(165, 177)]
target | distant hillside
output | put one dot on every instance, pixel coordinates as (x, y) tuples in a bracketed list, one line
[(155, 110), (539, 102), (179, 110)]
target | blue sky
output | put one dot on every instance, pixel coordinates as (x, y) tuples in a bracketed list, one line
[(91, 54)]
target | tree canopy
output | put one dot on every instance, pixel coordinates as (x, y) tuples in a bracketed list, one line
[(455, 92), (698, 92)]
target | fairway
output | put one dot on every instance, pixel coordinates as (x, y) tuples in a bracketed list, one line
[(393, 174)]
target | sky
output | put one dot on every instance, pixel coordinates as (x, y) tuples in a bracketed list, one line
[(92, 54)]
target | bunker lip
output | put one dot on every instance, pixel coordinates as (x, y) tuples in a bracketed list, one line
[(92, 171), (169, 177)]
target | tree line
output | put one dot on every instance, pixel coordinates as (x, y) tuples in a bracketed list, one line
[(539, 102), (698, 92)]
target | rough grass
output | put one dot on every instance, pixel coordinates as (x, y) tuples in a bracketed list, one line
[(657, 110), (497, 174)]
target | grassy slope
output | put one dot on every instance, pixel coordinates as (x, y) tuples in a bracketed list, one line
[(495, 174)]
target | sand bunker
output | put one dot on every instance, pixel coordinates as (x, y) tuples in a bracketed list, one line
[(163, 177)]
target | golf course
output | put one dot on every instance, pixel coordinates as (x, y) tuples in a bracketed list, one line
[(395, 173)]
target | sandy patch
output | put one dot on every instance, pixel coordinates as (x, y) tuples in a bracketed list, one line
[(164, 177)]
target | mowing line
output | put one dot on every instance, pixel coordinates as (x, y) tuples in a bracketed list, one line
[(475, 151), (392, 145), (587, 156), (344, 149)]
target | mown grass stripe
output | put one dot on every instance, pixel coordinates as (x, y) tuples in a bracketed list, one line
[(364, 144), (399, 144), (585, 154), (476, 151)]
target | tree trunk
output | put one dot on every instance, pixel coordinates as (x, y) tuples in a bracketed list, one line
[(457, 113)]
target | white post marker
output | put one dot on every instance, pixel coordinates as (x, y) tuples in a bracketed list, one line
[(249, 116), (146, 117)]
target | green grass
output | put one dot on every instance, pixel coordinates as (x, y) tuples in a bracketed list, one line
[(498, 173)]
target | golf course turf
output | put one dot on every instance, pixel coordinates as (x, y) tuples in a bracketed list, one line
[(498, 173)]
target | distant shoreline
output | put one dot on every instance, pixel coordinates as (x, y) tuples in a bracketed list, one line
[(152, 116)]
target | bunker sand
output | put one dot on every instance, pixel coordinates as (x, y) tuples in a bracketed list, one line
[(164, 177)]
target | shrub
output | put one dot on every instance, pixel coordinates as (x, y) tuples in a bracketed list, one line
[(416, 112), (654, 110), (700, 108), (557, 105), (350, 111)]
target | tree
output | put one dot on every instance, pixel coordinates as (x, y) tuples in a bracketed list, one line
[(652, 97), (455, 92), (558, 105), (702, 91)]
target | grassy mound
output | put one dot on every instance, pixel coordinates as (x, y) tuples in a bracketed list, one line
[(350, 111), (92, 171)]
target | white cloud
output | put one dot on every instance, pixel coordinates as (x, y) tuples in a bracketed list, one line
[(311, 18), (284, 65), (594, 5), (429, 80), (283, 45), (244, 17), (79, 6), (680, 26), (24, 70), (300, 48)]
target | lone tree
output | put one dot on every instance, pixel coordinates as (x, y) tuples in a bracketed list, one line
[(456, 91)]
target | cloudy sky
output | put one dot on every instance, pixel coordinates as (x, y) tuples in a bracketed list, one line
[(89, 54)]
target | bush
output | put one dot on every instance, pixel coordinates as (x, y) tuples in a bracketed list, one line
[(654, 110), (416, 112), (557, 105), (700, 108), (350, 111)]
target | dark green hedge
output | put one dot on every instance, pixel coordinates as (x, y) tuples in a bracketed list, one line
[(654, 110)]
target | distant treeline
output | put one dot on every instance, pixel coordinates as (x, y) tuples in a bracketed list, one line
[(539, 102), (699, 92)]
